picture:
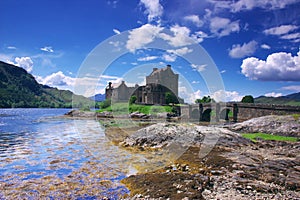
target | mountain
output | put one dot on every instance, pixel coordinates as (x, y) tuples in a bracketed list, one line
[(98, 97), (295, 96), (291, 99), (20, 89)]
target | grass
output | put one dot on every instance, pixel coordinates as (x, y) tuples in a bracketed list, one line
[(125, 108), (296, 116), (254, 136)]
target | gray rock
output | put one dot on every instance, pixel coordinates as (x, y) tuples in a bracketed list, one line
[(287, 125), (164, 134)]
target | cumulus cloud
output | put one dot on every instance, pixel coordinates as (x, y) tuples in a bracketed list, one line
[(199, 68), (154, 9), (226, 96), (169, 57), (188, 95), (24, 62), (280, 66), (265, 46), (273, 94), (142, 36), (181, 36), (47, 49), (181, 51), (223, 26), (199, 36), (194, 19), (240, 51), (56, 79)]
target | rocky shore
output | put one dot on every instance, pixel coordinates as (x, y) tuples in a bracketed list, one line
[(286, 125), (235, 168), (213, 162)]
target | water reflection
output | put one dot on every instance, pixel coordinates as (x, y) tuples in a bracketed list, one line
[(42, 157)]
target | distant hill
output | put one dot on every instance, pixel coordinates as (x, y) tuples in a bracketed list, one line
[(20, 89), (291, 99), (98, 97)]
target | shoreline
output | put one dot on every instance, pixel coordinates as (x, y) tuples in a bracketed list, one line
[(236, 168)]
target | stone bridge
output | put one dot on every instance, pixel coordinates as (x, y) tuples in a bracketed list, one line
[(216, 112)]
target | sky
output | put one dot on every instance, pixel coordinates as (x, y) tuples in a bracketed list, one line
[(225, 49)]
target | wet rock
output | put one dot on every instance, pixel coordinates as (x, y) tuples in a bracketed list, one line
[(81, 114), (138, 115)]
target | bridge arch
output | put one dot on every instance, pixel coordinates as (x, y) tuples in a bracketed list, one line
[(195, 114), (206, 115), (224, 114)]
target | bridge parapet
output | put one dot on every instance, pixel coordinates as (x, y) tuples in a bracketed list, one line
[(235, 111)]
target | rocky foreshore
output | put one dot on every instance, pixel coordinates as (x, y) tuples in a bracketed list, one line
[(235, 168), (286, 125), (217, 162)]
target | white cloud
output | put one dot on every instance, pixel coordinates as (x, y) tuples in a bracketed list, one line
[(153, 9), (280, 66), (11, 48), (117, 45), (199, 68), (195, 19), (6, 58), (223, 71), (147, 58), (142, 36), (295, 88), (24, 62), (189, 96), (265, 46), (292, 36), (280, 30), (116, 31), (199, 36), (56, 79), (223, 26), (273, 94), (182, 51), (226, 96), (239, 51), (112, 3), (47, 49), (181, 36), (169, 57), (241, 5)]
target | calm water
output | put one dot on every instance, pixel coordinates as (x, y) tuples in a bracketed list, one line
[(44, 156)]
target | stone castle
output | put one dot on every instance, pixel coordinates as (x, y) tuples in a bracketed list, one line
[(158, 83)]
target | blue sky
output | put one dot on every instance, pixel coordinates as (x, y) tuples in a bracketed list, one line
[(253, 44)]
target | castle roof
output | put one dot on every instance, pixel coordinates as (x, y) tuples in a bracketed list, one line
[(158, 71)]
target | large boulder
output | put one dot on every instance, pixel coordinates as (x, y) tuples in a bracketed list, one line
[(286, 125), (165, 134)]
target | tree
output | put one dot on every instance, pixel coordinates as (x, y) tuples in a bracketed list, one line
[(106, 103), (132, 99), (248, 99), (171, 98), (205, 99)]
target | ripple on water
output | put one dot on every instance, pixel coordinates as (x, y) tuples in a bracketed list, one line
[(50, 159)]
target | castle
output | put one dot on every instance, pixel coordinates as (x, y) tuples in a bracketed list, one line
[(158, 84)]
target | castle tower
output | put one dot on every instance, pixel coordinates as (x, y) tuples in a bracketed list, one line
[(165, 77)]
